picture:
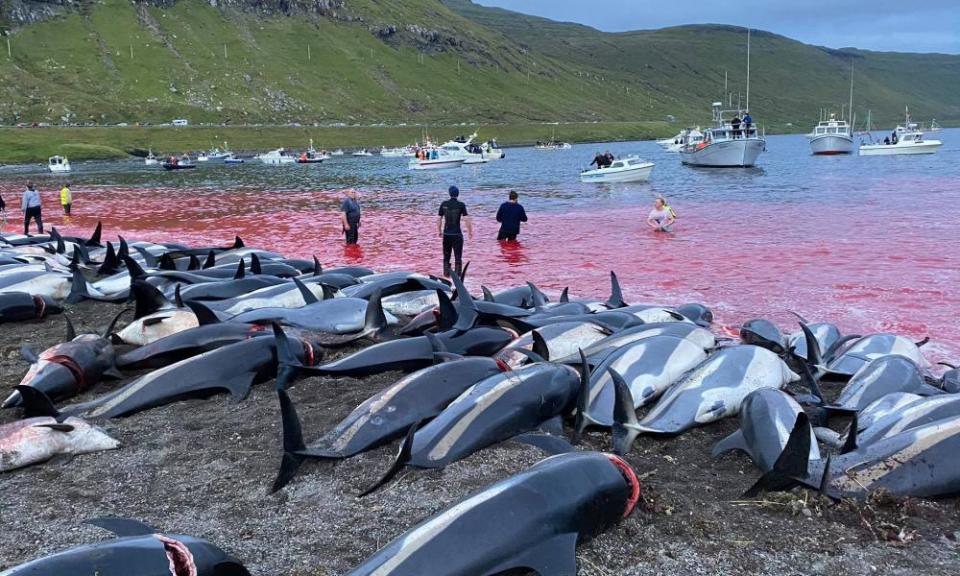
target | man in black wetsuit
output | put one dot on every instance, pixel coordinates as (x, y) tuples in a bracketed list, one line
[(451, 212)]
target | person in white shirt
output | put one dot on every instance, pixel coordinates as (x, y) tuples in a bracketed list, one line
[(30, 205)]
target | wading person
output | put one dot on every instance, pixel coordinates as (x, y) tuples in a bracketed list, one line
[(350, 216), (30, 204), (3, 213), (510, 215), (662, 216), (66, 198), (452, 211)]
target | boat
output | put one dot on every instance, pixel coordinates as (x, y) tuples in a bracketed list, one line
[(232, 160), (685, 137), (311, 156), (276, 157), (492, 151), (398, 152), (464, 147), (174, 163), (666, 143), (362, 153), (555, 145), (150, 159), (435, 159), (831, 137), (722, 145), (905, 139), (629, 169), (216, 154), (58, 164), (337, 152), (934, 126)]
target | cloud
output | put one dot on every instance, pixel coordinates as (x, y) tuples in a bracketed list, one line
[(888, 25)]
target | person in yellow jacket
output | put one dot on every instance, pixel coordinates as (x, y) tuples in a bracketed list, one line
[(66, 198)]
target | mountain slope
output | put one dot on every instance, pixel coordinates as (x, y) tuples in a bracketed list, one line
[(417, 61)]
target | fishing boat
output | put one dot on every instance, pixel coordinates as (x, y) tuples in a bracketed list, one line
[(464, 147), (58, 164), (150, 159), (362, 153), (216, 154), (686, 137), (629, 169), (174, 163), (905, 139), (310, 156), (434, 158), (725, 145), (276, 157), (831, 136), (492, 151)]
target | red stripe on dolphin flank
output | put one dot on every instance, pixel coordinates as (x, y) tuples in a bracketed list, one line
[(631, 477)]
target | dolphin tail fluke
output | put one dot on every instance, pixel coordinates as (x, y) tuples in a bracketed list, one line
[(403, 457), (616, 293), (791, 466), (626, 427), (583, 399), (292, 441)]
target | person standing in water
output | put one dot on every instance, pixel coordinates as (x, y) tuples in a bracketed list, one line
[(451, 212), (30, 205), (3, 213), (510, 215), (350, 216), (662, 216), (66, 198)]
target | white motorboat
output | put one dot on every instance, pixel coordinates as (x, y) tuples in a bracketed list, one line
[(555, 145), (492, 151), (435, 159), (629, 169), (362, 153), (217, 154), (393, 152), (934, 126), (202, 157), (58, 164), (151, 160), (464, 148), (724, 146), (905, 139), (666, 143), (337, 152), (831, 137), (276, 157), (687, 136)]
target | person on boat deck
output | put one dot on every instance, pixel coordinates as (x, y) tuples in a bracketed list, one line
[(66, 198), (448, 226), (30, 205), (747, 123), (510, 215), (350, 216), (893, 137), (886, 141), (662, 216), (303, 156), (600, 160), (736, 126), (610, 158)]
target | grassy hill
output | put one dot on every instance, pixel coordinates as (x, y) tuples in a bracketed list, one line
[(423, 61)]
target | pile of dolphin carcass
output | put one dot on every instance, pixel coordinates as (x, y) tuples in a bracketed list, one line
[(512, 365)]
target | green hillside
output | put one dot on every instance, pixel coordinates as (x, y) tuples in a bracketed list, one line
[(422, 61)]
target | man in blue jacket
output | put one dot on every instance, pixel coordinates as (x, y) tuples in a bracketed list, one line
[(510, 215)]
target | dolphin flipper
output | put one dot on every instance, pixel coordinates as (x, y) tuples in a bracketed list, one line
[(732, 442), (626, 427), (403, 457), (791, 467), (556, 557), (292, 441)]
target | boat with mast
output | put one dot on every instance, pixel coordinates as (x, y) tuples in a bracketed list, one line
[(905, 139), (832, 135), (727, 144)]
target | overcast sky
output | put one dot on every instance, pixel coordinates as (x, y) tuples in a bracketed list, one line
[(892, 25)]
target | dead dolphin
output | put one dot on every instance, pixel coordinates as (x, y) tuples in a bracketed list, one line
[(713, 390), (138, 549), (493, 410), (767, 417), (918, 413), (553, 341), (70, 368), (187, 344), (384, 417), (763, 333), (46, 433), (20, 306), (876, 379), (868, 348), (532, 521), (599, 350), (648, 366)]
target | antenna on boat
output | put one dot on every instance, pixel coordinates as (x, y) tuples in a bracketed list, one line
[(850, 108), (748, 70)]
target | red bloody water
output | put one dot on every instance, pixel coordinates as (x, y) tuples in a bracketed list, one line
[(866, 259)]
